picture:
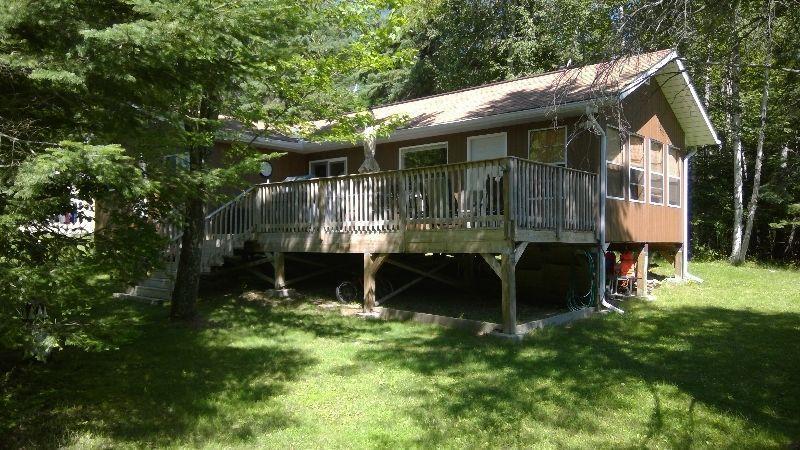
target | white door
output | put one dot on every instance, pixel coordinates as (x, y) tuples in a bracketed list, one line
[(488, 146), (484, 182)]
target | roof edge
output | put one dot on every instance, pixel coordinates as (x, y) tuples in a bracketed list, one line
[(565, 110)]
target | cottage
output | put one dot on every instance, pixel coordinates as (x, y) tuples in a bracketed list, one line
[(581, 158)]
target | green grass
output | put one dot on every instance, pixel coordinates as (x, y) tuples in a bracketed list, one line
[(711, 365)]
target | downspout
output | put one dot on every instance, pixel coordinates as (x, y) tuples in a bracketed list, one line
[(685, 202), (592, 124)]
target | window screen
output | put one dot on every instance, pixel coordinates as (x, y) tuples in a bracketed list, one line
[(656, 172), (674, 176), (637, 179), (615, 164)]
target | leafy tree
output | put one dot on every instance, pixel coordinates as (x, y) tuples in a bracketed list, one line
[(135, 81)]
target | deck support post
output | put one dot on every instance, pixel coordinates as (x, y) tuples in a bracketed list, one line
[(372, 262), (679, 263), (506, 269), (508, 279), (642, 265), (278, 262)]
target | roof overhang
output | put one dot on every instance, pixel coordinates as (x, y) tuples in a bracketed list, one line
[(669, 73), (672, 77), (478, 123)]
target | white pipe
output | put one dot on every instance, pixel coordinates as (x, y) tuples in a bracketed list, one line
[(685, 203), (591, 123), (610, 306)]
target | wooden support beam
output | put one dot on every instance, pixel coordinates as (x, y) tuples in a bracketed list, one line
[(261, 276), (519, 250), (642, 265), (508, 278), (411, 283), (492, 262), (372, 262), (311, 275), (279, 263), (678, 263), (426, 273)]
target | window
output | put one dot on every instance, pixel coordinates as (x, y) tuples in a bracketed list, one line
[(423, 155), (674, 176), (656, 172), (548, 145), (327, 167), (636, 172), (615, 165)]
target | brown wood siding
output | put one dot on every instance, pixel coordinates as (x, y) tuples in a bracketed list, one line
[(639, 222), (647, 113), (388, 154)]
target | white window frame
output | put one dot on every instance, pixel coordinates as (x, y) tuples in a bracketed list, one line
[(562, 163), (679, 178), (328, 161), (630, 167), (471, 138), (625, 170), (416, 148), (650, 172)]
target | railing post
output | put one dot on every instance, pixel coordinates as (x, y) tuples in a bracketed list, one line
[(507, 166), (402, 200), (559, 201), (322, 201)]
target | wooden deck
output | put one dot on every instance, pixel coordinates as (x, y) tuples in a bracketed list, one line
[(474, 207)]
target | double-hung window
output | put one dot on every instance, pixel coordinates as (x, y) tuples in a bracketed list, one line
[(548, 145), (656, 172), (423, 155), (674, 176), (327, 167), (615, 165), (636, 173)]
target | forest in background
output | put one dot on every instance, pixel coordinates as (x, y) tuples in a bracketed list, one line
[(743, 56)]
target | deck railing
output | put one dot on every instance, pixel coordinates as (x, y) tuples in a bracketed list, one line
[(481, 194)]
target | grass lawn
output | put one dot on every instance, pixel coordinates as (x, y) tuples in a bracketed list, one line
[(711, 365)]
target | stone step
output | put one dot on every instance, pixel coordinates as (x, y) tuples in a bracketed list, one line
[(160, 283), (151, 292), (141, 299)]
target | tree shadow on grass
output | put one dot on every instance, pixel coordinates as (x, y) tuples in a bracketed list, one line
[(170, 385), (742, 364)]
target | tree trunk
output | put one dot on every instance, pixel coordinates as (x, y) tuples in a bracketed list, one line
[(752, 205), (187, 279), (735, 118), (790, 241)]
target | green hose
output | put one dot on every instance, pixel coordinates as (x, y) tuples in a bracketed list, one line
[(587, 300)]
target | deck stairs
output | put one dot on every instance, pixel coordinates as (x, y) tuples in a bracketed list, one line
[(225, 232)]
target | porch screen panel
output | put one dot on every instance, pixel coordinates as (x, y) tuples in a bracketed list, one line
[(636, 173)]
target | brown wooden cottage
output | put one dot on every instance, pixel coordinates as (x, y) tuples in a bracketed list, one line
[(577, 159)]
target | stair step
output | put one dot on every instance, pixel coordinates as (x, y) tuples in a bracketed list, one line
[(151, 292), (160, 283), (139, 298)]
